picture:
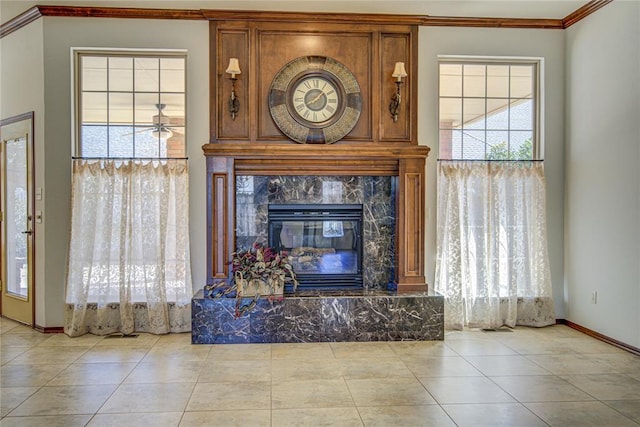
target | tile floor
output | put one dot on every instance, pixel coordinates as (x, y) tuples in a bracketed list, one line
[(526, 377)]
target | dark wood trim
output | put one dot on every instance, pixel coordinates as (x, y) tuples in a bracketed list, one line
[(19, 21), (454, 21), (49, 330), (316, 151), (597, 335), (120, 12), (302, 17), (583, 12)]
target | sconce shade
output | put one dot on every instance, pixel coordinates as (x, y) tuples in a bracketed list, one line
[(399, 72), (233, 68)]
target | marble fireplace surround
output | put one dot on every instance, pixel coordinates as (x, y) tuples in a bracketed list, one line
[(375, 313)]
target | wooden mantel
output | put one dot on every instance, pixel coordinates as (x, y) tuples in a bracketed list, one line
[(407, 162)]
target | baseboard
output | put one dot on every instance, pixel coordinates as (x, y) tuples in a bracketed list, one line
[(49, 330), (599, 336)]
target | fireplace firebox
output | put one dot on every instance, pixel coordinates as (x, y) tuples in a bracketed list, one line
[(323, 240)]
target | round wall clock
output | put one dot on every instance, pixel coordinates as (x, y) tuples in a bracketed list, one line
[(315, 100)]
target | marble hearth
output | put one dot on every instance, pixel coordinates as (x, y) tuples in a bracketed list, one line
[(373, 315)]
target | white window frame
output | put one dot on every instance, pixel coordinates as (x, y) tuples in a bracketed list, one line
[(76, 89), (538, 90)]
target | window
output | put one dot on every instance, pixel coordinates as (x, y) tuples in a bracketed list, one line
[(488, 109), (130, 105)]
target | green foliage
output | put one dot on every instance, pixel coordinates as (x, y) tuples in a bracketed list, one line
[(502, 152)]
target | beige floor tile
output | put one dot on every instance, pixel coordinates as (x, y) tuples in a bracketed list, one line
[(23, 375), (148, 398), (539, 388), (50, 355), (316, 417), (183, 339), (506, 365), (493, 415), (331, 393), (248, 418), (8, 353), (579, 414), (170, 353), (93, 373), (587, 345), (107, 354), (312, 369), (629, 408), (157, 419), (567, 364), (11, 397), (239, 352), (465, 390), (235, 371), (24, 340), (522, 345), (7, 325), (86, 340), (405, 349), (478, 347), (164, 372), (360, 350), (65, 400), (48, 421), (385, 416), (354, 369), (135, 340), (389, 392), (319, 350), (228, 396), (441, 367), (607, 386), (625, 363)]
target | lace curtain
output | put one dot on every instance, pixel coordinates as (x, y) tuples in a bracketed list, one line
[(129, 265), (492, 263)]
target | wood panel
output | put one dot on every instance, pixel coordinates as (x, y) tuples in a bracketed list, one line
[(220, 219), (395, 48)]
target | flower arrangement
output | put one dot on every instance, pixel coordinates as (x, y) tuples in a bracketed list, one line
[(259, 270), (263, 264)]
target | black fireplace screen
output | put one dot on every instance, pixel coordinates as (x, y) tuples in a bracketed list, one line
[(324, 241)]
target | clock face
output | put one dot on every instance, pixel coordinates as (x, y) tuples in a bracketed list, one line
[(315, 99)]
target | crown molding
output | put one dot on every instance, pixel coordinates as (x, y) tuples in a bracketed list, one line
[(583, 12), (350, 18)]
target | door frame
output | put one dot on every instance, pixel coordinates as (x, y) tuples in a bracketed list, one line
[(31, 179)]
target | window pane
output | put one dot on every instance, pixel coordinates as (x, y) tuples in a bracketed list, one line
[(94, 141), (121, 108), (520, 145), (121, 74), (497, 145), (121, 141), (450, 112), (521, 115), (498, 81), (450, 80), (147, 75), (498, 114), (94, 73), (147, 145), (174, 105), (474, 144), (94, 107), (521, 81), (172, 74), (456, 144), (146, 108), (474, 113), (474, 80)]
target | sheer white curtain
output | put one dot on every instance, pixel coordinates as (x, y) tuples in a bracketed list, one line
[(492, 262), (129, 264)]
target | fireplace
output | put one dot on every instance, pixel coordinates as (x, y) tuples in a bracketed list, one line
[(323, 240)]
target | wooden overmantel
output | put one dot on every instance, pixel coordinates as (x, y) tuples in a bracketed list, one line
[(226, 161)]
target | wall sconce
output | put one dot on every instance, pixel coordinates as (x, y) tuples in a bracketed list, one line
[(394, 107), (234, 102)]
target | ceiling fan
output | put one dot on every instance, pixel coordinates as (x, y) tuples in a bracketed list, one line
[(161, 127)]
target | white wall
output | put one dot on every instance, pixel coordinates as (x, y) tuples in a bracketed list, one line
[(60, 35), (602, 227), (22, 90), (546, 44)]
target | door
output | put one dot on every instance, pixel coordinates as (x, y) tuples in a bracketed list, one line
[(16, 218)]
